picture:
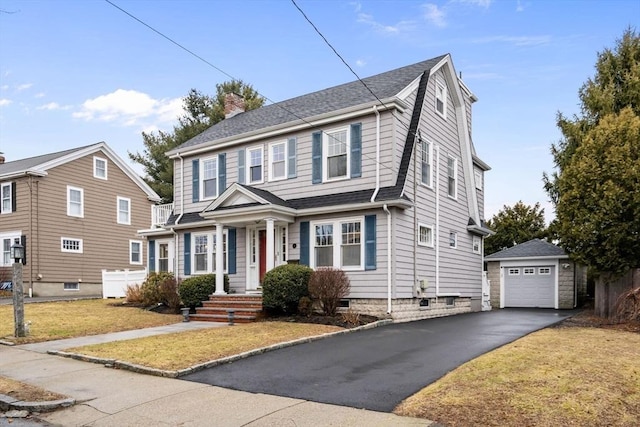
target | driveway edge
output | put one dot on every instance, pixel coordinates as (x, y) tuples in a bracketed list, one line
[(120, 364), (8, 403)]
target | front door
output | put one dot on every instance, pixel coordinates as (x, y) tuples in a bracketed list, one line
[(257, 253)]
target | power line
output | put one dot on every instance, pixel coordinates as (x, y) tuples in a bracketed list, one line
[(279, 105)]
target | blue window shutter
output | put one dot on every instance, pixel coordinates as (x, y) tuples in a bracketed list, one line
[(222, 173), (231, 247), (356, 150), (187, 254), (241, 172), (370, 242), (195, 182), (304, 243), (152, 255), (316, 158), (291, 153)]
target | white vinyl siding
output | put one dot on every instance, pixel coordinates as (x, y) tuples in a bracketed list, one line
[(99, 168), (124, 210), (75, 201)]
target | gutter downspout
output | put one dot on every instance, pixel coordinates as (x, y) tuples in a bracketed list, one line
[(386, 209), (375, 192), (30, 235), (437, 236)]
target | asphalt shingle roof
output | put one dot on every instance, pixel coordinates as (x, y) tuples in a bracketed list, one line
[(32, 162), (336, 98), (532, 249)]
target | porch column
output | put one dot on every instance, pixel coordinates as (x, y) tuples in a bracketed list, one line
[(270, 244), (219, 261)]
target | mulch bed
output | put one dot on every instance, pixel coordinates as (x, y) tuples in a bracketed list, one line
[(587, 319), (344, 321)]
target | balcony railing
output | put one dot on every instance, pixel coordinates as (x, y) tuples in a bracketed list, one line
[(160, 214)]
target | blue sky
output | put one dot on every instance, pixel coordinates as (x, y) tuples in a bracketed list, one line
[(77, 72)]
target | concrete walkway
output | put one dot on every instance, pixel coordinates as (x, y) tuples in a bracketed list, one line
[(111, 397)]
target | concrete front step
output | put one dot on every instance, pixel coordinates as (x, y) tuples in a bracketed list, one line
[(240, 305), (221, 318)]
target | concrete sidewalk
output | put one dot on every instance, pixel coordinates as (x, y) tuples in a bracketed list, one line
[(111, 397)]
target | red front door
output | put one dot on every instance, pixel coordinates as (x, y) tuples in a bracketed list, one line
[(262, 241)]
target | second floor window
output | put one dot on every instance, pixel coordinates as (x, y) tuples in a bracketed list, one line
[(99, 168), (426, 163), (75, 201), (278, 160), (441, 99), (210, 178), (255, 165), (124, 211), (337, 161), (452, 177), (6, 194)]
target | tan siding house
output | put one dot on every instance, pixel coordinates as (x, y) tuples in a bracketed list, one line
[(380, 180), (78, 212)]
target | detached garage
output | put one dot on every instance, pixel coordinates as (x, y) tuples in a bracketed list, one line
[(535, 274)]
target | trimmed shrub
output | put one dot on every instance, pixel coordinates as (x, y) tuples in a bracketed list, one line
[(158, 288), (329, 286), (196, 289), (305, 306), (169, 293), (283, 287), (133, 294)]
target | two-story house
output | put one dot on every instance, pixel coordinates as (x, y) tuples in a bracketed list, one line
[(77, 212), (377, 177)]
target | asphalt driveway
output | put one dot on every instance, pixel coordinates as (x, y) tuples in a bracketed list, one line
[(376, 369)]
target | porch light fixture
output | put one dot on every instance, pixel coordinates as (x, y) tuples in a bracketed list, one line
[(17, 252)]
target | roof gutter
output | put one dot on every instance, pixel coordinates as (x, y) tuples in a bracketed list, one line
[(23, 173)]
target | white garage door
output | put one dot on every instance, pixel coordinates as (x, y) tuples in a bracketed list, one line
[(529, 286)]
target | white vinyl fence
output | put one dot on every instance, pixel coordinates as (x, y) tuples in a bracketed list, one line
[(114, 283)]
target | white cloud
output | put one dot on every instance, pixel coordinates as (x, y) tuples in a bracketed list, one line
[(4, 87), (434, 15), (360, 63), (53, 106), (24, 86), (400, 27), (480, 3), (520, 6), (130, 108), (4, 102), (515, 40), (40, 95)]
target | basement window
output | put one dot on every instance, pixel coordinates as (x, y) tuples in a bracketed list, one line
[(451, 301), (424, 302), (344, 303), (71, 286)]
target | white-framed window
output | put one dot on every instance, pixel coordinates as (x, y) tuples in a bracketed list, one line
[(453, 239), (163, 256), (135, 252), (514, 272), (441, 99), (425, 235), (209, 178), (204, 252), (68, 244), (544, 271), (477, 244), (254, 165), (529, 271), (99, 168), (71, 286), (452, 177), (278, 161), (339, 244), (124, 210), (336, 162), (427, 155), (478, 175), (7, 198), (6, 241), (75, 201)]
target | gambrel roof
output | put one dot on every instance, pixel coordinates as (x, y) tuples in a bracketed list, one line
[(384, 85)]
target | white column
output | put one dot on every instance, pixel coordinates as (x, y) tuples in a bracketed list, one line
[(270, 244), (219, 261)]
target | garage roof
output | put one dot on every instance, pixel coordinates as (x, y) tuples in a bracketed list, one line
[(535, 248)]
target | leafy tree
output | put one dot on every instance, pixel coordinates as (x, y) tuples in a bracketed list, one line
[(201, 112), (599, 206), (514, 225), (596, 186)]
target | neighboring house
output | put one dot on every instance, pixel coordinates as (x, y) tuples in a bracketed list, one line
[(387, 187), (78, 212), (535, 274)]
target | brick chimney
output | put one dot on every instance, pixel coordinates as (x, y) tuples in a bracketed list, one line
[(233, 105), (2, 159)]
